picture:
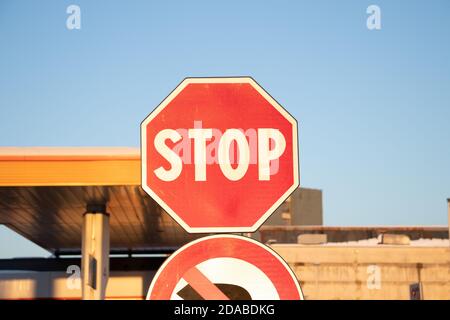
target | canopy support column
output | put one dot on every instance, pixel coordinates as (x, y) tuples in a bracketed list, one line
[(95, 252)]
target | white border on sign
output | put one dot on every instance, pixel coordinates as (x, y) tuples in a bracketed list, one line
[(270, 250), (166, 101)]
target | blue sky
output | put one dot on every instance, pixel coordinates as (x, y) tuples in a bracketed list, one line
[(373, 106)]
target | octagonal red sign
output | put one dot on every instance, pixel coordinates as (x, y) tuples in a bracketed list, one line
[(219, 155)]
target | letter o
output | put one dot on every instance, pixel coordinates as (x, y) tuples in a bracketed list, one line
[(227, 139)]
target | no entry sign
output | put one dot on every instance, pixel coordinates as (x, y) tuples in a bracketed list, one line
[(219, 155), (224, 267)]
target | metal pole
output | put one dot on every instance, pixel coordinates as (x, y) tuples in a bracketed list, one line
[(448, 221), (95, 252)]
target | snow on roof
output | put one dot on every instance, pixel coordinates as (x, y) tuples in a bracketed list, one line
[(374, 242)]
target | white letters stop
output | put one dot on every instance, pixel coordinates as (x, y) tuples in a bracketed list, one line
[(200, 136)]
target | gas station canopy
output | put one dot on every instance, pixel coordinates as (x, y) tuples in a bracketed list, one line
[(44, 193)]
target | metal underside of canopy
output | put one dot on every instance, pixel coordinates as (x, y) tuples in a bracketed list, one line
[(52, 217), (44, 193)]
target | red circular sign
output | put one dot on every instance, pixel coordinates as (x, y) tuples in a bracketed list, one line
[(219, 155), (225, 267)]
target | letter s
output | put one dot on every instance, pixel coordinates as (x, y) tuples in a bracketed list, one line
[(168, 154)]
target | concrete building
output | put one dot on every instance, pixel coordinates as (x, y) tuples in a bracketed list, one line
[(303, 208)]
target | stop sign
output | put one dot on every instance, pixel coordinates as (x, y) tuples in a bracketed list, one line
[(219, 155)]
